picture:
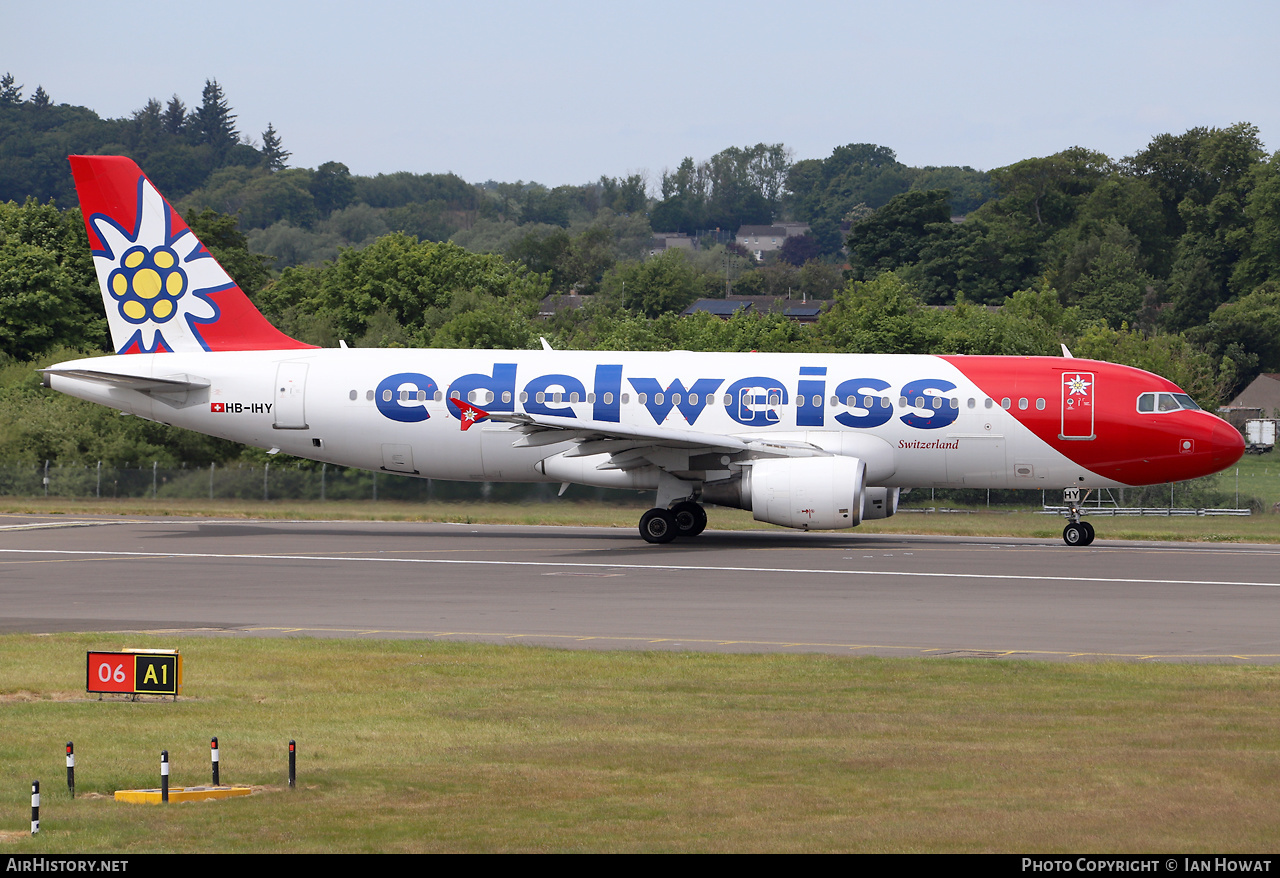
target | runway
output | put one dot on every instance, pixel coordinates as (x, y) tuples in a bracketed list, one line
[(844, 593)]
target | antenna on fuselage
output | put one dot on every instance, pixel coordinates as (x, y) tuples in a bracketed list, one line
[(546, 345), (1066, 353)]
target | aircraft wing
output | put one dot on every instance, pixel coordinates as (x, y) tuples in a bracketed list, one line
[(631, 446)]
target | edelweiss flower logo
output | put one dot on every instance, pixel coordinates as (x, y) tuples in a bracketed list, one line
[(155, 276), (1077, 384), (148, 284)]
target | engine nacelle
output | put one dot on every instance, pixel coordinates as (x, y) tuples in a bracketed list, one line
[(810, 493), (880, 503)]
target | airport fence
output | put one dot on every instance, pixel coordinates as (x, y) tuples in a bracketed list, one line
[(297, 480), (285, 481)]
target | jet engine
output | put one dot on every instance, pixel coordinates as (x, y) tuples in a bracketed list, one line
[(809, 493)]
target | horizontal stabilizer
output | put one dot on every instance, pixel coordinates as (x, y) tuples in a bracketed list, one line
[(168, 384)]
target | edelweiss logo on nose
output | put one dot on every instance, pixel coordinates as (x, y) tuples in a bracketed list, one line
[(155, 276), (148, 284)]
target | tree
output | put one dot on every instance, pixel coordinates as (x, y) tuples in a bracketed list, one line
[(1045, 192), (419, 286), (274, 156), (214, 120), (332, 187), (174, 119), (40, 99), (665, 283), (48, 289), (799, 249), (825, 191), (895, 235), (10, 90)]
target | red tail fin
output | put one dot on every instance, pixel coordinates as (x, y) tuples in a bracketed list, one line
[(162, 289)]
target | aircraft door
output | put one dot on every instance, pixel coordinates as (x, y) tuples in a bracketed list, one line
[(291, 386), (1079, 390)]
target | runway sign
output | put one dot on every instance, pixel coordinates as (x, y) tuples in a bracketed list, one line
[(134, 672)]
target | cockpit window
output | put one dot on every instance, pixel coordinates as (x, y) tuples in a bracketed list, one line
[(1165, 402)]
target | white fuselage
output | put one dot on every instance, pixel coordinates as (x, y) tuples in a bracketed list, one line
[(387, 410)]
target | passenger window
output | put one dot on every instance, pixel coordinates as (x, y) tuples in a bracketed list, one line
[(506, 396), (368, 394), (573, 397), (386, 396), (608, 398), (987, 403), (1022, 404), (1006, 404), (354, 394), (774, 400), (1039, 405)]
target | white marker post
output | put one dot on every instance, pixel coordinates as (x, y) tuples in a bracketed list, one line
[(35, 807)]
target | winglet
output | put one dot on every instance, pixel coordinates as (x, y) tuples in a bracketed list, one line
[(468, 414)]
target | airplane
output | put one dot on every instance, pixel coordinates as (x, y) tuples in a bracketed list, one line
[(802, 440)]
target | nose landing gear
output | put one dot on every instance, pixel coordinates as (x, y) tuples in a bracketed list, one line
[(1077, 532)]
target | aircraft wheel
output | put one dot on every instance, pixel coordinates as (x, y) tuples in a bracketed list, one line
[(690, 517), (658, 526), (1075, 535), (1088, 533)]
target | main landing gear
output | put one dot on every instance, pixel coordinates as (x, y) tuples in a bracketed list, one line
[(684, 519), (1077, 532)]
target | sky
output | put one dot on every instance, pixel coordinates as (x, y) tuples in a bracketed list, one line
[(565, 92)]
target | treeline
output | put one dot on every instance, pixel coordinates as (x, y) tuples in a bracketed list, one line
[(1168, 259)]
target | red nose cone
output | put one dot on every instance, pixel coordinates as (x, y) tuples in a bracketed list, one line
[(1228, 445)]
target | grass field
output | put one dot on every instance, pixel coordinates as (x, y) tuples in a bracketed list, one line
[(423, 746)]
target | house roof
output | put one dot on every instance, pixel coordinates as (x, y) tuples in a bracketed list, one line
[(1263, 393), (718, 307)]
